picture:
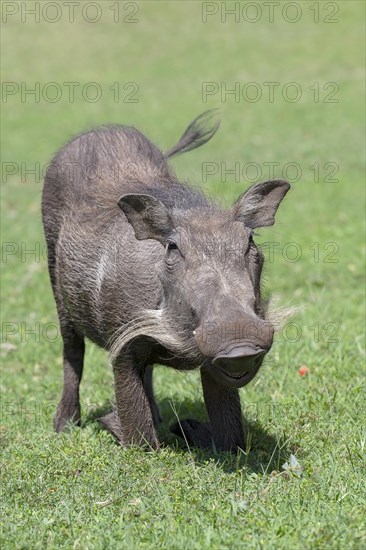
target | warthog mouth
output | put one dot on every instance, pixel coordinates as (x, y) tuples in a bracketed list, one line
[(232, 380), (236, 366)]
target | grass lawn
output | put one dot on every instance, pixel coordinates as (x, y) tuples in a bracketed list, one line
[(300, 483)]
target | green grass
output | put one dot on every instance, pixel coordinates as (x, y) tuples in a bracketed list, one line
[(79, 490)]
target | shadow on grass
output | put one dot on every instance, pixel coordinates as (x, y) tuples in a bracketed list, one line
[(96, 412), (265, 452)]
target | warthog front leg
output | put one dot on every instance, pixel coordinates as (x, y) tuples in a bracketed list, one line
[(111, 420), (224, 411), (148, 385), (225, 428), (132, 422), (68, 409)]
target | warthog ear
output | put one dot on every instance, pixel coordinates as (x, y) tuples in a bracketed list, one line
[(149, 217), (258, 205)]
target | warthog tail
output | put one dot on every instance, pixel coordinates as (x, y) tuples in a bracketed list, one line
[(199, 132)]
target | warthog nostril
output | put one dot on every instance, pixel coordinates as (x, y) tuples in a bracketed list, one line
[(240, 360)]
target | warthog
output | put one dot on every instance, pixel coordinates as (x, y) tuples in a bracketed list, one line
[(151, 270)]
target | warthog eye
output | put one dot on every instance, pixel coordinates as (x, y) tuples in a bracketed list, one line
[(171, 246), (173, 255), (251, 242)]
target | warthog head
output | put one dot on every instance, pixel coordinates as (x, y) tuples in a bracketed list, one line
[(211, 274)]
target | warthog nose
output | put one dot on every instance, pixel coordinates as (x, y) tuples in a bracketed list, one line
[(239, 360)]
